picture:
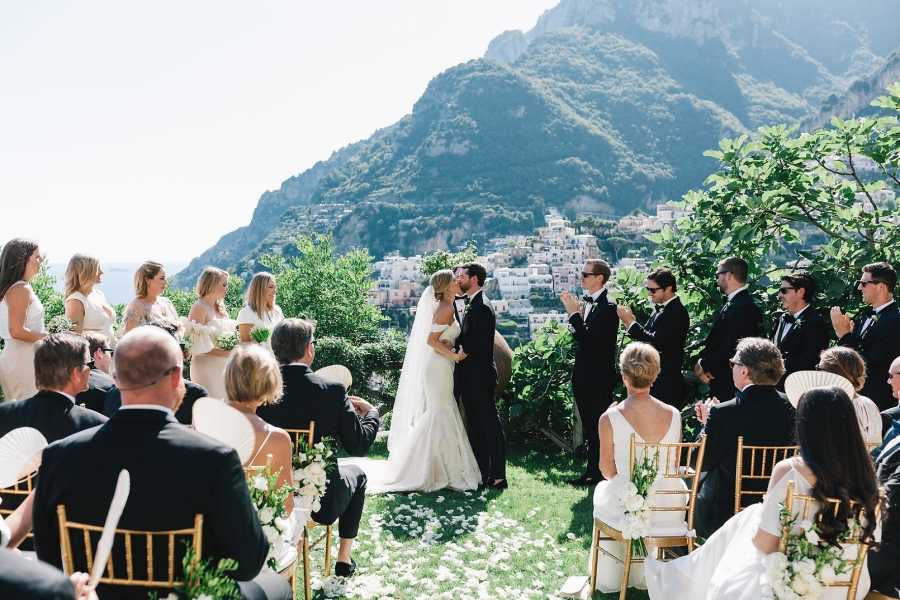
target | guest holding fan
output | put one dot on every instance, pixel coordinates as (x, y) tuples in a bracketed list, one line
[(86, 306), (260, 312)]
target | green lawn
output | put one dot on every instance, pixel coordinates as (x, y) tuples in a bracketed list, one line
[(520, 543)]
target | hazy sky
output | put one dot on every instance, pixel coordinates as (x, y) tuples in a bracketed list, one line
[(148, 130)]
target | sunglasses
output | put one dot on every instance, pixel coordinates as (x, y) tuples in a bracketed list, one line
[(584, 275), (785, 290), (652, 290), (734, 363), (721, 273), (870, 282)]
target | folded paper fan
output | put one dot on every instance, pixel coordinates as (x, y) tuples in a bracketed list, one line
[(226, 424), (20, 454), (338, 374), (801, 382)]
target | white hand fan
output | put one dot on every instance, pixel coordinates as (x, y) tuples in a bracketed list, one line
[(801, 382), (226, 424), (20, 454), (108, 536), (337, 374)]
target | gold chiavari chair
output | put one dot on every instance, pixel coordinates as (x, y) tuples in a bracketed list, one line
[(808, 508), (680, 461), (141, 577), (760, 460), (19, 490), (878, 596)]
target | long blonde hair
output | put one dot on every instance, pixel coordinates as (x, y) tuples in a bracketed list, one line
[(147, 271), (440, 281), (256, 291), (81, 271), (208, 278)]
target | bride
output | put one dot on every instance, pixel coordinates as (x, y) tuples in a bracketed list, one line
[(427, 444)]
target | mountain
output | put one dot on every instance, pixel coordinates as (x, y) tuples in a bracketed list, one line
[(604, 106)]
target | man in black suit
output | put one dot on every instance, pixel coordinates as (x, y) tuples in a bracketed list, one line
[(35, 580), (666, 330), (175, 473), (100, 382), (738, 318), (595, 326), (800, 332), (349, 420), (61, 372), (892, 414), (476, 377), (875, 334), (758, 412)]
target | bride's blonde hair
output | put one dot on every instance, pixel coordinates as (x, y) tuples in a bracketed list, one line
[(440, 281)]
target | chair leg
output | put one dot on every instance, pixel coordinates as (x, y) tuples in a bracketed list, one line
[(595, 556), (307, 583), (626, 572), (328, 536)]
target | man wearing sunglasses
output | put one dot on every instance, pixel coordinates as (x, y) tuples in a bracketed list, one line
[(800, 332), (875, 333), (595, 326), (100, 382)]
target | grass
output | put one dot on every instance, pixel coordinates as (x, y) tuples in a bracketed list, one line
[(523, 542)]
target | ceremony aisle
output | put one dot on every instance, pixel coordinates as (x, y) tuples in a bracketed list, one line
[(522, 543)]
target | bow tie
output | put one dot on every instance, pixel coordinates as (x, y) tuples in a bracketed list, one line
[(465, 299), (869, 313), (657, 308), (588, 299), (788, 318)]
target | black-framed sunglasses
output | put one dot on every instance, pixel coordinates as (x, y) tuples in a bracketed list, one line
[(785, 290), (870, 282), (734, 363), (652, 290), (585, 275), (722, 272), (109, 351)]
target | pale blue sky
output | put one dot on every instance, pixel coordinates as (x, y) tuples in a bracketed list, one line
[(135, 130)]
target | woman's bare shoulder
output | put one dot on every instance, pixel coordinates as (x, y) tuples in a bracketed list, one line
[(443, 314)]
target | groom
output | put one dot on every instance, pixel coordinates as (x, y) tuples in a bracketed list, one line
[(476, 376)]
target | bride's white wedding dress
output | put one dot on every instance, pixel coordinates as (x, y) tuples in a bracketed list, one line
[(429, 448)]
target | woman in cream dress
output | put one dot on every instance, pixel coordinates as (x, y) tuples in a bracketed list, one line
[(149, 306), (847, 363), (207, 321), (21, 318), (86, 305), (260, 310)]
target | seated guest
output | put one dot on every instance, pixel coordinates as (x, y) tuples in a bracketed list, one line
[(892, 414), (35, 580), (350, 421), (61, 372), (847, 363), (175, 472), (884, 561), (800, 332), (758, 412), (875, 334), (100, 381)]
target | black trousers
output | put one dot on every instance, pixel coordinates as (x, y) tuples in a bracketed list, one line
[(344, 497), (268, 585), (483, 423), (592, 402)]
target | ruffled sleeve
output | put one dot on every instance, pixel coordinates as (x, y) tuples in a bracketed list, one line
[(202, 337), (247, 316)]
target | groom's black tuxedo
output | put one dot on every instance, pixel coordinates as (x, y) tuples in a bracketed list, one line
[(666, 330), (737, 319), (806, 337), (476, 379), (879, 345), (883, 563), (175, 473)]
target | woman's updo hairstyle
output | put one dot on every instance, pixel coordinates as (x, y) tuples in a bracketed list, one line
[(440, 281)]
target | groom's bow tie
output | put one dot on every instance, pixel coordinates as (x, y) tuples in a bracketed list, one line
[(465, 299), (588, 299)]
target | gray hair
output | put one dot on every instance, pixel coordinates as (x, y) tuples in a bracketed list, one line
[(762, 358), (291, 338), (143, 355), (56, 356)]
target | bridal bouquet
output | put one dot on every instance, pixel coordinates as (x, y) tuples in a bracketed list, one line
[(203, 581), (311, 467), (268, 499), (808, 563), (59, 324), (227, 341), (633, 499), (260, 335)]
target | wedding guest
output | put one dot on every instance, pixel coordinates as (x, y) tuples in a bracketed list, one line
[(208, 320), (86, 306), (350, 421), (666, 330), (758, 412), (21, 317), (21, 577), (61, 373), (595, 325), (260, 311), (252, 379), (652, 421), (892, 414), (739, 318), (148, 305), (100, 382), (875, 334), (847, 363), (833, 463), (175, 472), (800, 332)]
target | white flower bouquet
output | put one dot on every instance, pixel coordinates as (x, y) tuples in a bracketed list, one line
[(311, 467), (59, 324), (636, 507), (268, 499)]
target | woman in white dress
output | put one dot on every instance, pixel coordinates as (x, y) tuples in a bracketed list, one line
[(428, 446), (21, 317), (260, 310), (149, 306), (651, 421), (207, 321), (847, 363), (86, 305), (833, 463)]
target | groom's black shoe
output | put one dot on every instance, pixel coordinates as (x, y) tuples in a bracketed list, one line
[(584, 480), (342, 569), (502, 484)]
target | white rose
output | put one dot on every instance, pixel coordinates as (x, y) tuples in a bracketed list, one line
[(805, 567), (634, 503), (260, 483), (271, 533), (282, 524), (799, 585), (812, 537), (266, 514), (316, 470)]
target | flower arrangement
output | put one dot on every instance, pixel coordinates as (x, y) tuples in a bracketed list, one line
[(268, 499), (203, 581), (59, 324), (633, 499), (312, 463), (808, 563), (260, 335), (227, 341)]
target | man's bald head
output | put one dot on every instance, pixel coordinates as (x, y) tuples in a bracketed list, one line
[(894, 377), (148, 367)]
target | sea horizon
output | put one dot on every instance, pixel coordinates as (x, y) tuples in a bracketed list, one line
[(118, 277)]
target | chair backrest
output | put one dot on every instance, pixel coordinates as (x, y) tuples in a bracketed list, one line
[(808, 508), (142, 543), (252, 470), (17, 491), (759, 461), (674, 461), (298, 434)]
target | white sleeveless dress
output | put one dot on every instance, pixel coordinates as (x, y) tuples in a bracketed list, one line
[(608, 508), (436, 454), (17, 358), (728, 566), (248, 316), (208, 370), (99, 316)]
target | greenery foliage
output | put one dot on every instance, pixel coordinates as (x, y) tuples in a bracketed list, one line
[(445, 259), (204, 579)]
